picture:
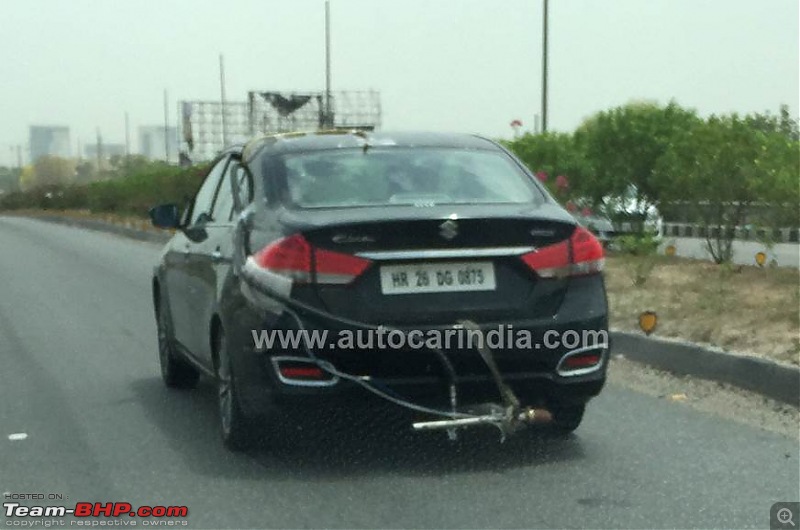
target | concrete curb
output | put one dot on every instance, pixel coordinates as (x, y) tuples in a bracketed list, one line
[(775, 380)]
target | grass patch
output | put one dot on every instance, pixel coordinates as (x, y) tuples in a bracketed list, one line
[(739, 308)]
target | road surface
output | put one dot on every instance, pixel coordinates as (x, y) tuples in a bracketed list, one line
[(79, 377)]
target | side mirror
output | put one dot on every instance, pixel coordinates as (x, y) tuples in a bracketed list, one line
[(165, 216)]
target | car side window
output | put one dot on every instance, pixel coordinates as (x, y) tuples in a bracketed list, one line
[(244, 185), (204, 200), (223, 207)]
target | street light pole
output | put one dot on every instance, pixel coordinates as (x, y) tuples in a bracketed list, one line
[(328, 113), (222, 99), (127, 136), (544, 66), (166, 126)]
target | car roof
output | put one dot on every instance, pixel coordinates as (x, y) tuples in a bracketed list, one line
[(343, 139)]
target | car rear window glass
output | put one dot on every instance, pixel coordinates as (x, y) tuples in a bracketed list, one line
[(405, 176)]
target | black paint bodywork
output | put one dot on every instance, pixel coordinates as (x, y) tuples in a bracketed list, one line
[(200, 274)]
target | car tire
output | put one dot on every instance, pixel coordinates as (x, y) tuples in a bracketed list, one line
[(567, 418), (175, 372), (235, 427)]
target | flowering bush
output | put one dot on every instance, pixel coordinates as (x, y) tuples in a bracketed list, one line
[(562, 184)]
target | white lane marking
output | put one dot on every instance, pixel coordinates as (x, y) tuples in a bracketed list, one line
[(17, 436)]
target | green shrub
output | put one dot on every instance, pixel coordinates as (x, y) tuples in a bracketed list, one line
[(641, 255), (638, 245), (133, 194)]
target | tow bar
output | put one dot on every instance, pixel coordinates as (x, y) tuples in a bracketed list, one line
[(507, 417), (507, 420)]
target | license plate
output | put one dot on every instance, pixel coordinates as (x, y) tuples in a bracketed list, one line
[(438, 277)]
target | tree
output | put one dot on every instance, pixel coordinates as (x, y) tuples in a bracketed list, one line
[(124, 165), (787, 125), (9, 179), (722, 168), (782, 124), (777, 185), (623, 146), (557, 162), (49, 170), (27, 178), (85, 171)]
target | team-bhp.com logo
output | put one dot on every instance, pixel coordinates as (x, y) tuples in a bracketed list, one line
[(94, 509)]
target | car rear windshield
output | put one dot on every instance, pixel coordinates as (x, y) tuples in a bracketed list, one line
[(405, 176)]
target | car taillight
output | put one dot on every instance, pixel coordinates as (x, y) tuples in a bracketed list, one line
[(335, 267), (588, 255), (302, 372), (290, 256), (293, 256), (581, 361), (581, 254)]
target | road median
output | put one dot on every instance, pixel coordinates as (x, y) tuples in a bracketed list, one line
[(770, 378)]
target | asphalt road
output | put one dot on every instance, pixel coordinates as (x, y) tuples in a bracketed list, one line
[(79, 376)]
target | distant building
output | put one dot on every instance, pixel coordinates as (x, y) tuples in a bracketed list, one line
[(107, 150), (153, 146), (49, 140)]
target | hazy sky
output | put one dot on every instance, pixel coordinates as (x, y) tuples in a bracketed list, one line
[(462, 65)]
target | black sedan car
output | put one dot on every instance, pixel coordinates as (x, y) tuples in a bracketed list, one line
[(316, 267)]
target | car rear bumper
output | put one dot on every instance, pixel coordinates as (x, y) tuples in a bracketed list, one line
[(533, 389), (261, 391), (419, 375), (531, 369)]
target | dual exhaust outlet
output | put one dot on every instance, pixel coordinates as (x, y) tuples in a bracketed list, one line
[(302, 371)]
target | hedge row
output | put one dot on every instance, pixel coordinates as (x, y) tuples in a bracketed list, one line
[(133, 194)]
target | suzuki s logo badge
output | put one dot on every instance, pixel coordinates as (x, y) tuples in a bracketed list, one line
[(448, 229)]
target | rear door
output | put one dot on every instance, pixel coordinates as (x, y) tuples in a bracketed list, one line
[(212, 259), (190, 331)]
